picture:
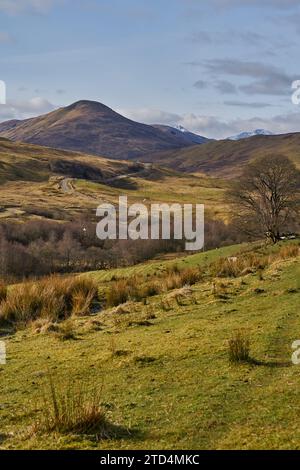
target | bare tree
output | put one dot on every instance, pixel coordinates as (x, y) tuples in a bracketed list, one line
[(267, 197)]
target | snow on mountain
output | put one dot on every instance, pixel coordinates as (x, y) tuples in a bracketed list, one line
[(181, 132), (246, 135)]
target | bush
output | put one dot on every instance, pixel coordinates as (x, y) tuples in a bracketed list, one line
[(239, 348)]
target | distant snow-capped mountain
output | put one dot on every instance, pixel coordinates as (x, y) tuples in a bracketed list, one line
[(183, 133), (246, 135)]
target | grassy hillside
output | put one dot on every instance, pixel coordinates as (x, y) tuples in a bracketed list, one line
[(225, 158), (162, 366), (31, 183)]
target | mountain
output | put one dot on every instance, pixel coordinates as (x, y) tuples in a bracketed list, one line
[(93, 128), (246, 135), (179, 131), (225, 158)]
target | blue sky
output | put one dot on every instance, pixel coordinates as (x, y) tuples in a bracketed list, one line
[(216, 67)]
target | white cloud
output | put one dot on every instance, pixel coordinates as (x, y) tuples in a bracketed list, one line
[(24, 109), (269, 79), (150, 116), (214, 127)]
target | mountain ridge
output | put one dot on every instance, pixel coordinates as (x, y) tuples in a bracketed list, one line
[(226, 158), (248, 134), (94, 128)]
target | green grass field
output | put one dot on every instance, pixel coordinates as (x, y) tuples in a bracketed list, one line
[(162, 366)]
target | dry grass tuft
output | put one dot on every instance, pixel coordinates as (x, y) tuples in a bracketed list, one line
[(53, 298), (66, 330), (289, 251), (75, 409), (239, 348), (125, 290)]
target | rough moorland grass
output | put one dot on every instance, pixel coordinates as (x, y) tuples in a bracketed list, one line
[(250, 262), (239, 348), (73, 409), (53, 298), (3, 291), (187, 395), (123, 290), (176, 276)]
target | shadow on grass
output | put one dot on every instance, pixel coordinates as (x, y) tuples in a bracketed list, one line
[(3, 438), (109, 432), (274, 364), (116, 432)]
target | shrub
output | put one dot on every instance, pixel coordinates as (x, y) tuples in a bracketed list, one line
[(239, 348)]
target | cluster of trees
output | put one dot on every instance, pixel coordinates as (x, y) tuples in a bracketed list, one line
[(41, 247)]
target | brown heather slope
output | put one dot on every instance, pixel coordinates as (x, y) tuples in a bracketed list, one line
[(27, 162), (40, 182), (93, 128), (225, 158)]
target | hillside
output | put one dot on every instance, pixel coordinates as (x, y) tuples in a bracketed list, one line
[(93, 128), (38, 181), (20, 161), (225, 158), (127, 353)]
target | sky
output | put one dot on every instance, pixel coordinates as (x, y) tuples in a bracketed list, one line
[(216, 67)]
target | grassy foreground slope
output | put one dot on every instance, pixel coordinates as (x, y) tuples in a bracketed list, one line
[(163, 371)]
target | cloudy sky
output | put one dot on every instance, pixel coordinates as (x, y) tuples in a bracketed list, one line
[(217, 67)]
